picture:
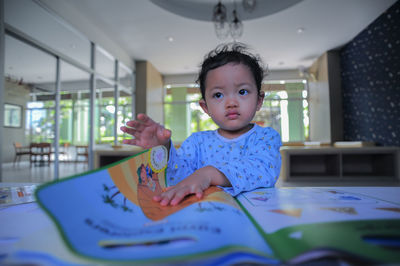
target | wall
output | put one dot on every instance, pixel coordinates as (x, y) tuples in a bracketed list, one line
[(319, 101), (149, 91), (19, 95), (155, 95), (325, 100), (140, 85), (371, 82)]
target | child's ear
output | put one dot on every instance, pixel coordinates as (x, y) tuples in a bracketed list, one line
[(260, 100), (203, 106)]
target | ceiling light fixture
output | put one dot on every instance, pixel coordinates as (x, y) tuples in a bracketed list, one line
[(300, 30), (234, 28), (219, 19), (249, 5)]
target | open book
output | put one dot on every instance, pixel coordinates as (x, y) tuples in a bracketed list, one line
[(108, 215), (16, 194)]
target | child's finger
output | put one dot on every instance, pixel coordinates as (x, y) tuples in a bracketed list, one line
[(167, 133), (167, 188), (199, 193), (137, 125), (166, 198), (130, 123), (146, 120), (197, 190), (157, 198), (124, 129), (129, 141), (179, 196), (141, 116), (128, 130), (163, 134)]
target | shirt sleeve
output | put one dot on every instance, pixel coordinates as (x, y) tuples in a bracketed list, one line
[(259, 166), (181, 162)]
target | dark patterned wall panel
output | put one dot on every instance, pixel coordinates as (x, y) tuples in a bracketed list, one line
[(371, 82)]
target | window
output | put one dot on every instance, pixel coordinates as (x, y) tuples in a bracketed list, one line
[(12, 115), (32, 55), (183, 114), (285, 108), (124, 115)]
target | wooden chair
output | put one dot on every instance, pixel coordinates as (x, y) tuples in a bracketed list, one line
[(63, 152), (20, 151), (82, 150), (39, 152)]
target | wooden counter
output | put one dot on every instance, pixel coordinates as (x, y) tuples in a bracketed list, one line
[(330, 164)]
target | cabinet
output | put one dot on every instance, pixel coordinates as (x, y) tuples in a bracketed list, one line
[(340, 164)]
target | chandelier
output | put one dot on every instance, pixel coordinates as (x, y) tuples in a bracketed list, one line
[(234, 27)]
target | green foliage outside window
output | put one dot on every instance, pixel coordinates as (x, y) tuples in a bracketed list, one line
[(74, 120), (278, 110), (199, 121)]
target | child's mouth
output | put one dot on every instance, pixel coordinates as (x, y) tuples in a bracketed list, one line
[(232, 115)]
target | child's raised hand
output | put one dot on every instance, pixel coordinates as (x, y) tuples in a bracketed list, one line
[(196, 183), (146, 132)]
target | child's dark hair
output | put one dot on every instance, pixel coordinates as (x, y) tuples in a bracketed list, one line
[(230, 53)]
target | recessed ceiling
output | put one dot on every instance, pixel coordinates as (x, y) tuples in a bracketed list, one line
[(292, 37), (203, 9)]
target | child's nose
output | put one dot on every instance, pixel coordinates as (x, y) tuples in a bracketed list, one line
[(231, 102)]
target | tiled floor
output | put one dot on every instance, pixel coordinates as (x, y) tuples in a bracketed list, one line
[(23, 173)]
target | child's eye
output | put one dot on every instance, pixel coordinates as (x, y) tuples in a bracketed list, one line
[(243, 92), (218, 95)]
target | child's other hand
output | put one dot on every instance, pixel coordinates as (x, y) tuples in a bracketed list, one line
[(147, 133), (196, 183), (193, 184)]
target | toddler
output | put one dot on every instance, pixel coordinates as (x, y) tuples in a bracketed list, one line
[(238, 156)]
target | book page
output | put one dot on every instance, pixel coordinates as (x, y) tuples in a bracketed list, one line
[(109, 214), (319, 218), (16, 194)]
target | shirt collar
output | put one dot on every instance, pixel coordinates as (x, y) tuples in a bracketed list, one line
[(238, 138)]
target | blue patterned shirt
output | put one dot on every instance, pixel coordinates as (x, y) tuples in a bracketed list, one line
[(249, 161)]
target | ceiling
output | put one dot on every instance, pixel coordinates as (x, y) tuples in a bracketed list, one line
[(143, 28)]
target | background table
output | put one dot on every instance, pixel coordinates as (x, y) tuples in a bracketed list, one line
[(108, 155)]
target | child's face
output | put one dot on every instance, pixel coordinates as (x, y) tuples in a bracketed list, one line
[(231, 98)]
